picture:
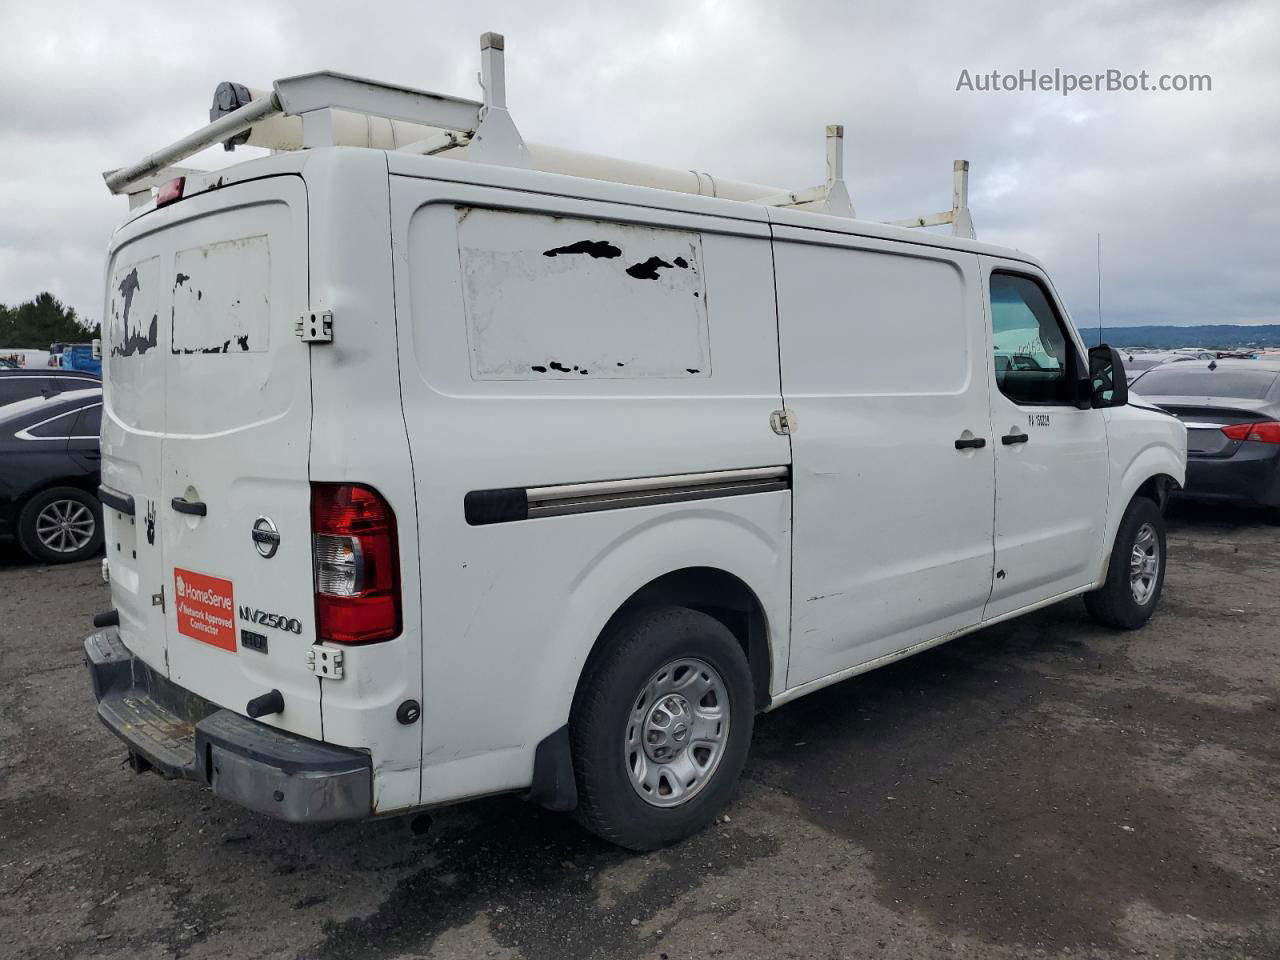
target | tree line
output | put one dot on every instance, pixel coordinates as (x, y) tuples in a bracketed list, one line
[(38, 322)]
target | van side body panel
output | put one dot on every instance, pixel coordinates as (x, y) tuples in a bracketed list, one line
[(884, 362), (512, 609)]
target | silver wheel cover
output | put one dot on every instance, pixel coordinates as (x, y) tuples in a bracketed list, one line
[(676, 732), (1144, 564)]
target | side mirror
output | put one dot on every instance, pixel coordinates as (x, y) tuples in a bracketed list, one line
[(1107, 379)]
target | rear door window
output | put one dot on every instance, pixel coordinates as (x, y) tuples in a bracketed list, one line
[(1185, 380)]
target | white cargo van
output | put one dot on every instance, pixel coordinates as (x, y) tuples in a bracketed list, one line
[(428, 477)]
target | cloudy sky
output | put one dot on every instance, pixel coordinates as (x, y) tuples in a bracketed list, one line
[(1184, 187)]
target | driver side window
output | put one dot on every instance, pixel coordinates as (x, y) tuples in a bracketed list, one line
[(1032, 350)]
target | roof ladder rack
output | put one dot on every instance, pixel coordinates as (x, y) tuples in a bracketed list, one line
[(324, 109)]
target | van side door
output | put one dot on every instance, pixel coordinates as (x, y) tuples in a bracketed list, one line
[(1051, 456), (884, 366)]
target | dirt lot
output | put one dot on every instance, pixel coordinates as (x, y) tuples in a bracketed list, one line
[(1041, 788)]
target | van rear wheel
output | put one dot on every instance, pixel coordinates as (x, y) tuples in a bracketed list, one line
[(1135, 576), (660, 727)]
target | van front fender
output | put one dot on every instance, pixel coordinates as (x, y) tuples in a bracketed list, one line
[(1134, 464)]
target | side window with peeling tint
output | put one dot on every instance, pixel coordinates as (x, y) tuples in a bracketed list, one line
[(222, 297), (133, 312), (566, 298)]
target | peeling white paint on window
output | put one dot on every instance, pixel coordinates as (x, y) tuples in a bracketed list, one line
[(222, 297), (551, 297)]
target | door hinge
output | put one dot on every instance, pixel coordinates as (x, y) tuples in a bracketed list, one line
[(324, 663), (783, 422), (157, 599), (315, 327)]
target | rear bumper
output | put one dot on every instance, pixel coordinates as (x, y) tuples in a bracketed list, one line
[(1252, 475), (184, 736)]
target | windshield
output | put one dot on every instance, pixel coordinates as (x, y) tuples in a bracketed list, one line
[(1185, 380)]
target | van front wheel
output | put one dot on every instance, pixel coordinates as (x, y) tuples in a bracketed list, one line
[(1135, 576), (660, 727)]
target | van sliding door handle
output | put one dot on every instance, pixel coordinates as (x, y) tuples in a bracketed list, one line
[(975, 443), (194, 508), (1009, 439)]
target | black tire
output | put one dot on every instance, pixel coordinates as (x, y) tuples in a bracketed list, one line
[(633, 652), (1114, 604), (38, 511)]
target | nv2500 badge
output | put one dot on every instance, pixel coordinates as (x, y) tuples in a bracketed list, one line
[(277, 621)]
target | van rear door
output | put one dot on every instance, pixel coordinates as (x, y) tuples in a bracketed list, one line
[(232, 503)]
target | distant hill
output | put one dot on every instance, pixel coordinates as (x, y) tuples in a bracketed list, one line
[(1221, 336)]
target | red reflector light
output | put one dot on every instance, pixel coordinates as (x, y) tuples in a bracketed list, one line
[(171, 191), (1267, 431), (355, 562)]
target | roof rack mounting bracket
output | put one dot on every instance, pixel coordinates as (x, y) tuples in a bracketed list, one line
[(958, 216), (831, 197), (496, 139)]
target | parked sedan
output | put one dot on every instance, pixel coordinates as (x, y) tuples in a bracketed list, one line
[(1232, 412), (49, 475)]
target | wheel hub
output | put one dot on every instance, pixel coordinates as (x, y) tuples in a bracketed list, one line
[(666, 729), (65, 526)]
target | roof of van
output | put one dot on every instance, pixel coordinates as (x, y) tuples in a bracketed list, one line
[(537, 181)]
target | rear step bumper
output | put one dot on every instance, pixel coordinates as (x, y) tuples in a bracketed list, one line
[(184, 736)]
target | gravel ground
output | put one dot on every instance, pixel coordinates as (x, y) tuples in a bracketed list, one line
[(1041, 788)]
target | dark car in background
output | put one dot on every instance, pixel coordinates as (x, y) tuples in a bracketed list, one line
[(1232, 412), (49, 460), (21, 383)]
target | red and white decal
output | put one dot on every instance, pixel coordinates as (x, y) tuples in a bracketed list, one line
[(205, 608)]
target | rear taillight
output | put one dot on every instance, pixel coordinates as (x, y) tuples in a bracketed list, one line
[(355, 559), (1268, 431)]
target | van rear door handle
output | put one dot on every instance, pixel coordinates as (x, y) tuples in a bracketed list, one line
[(1009, 439), (194, 508), (974, 443)]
